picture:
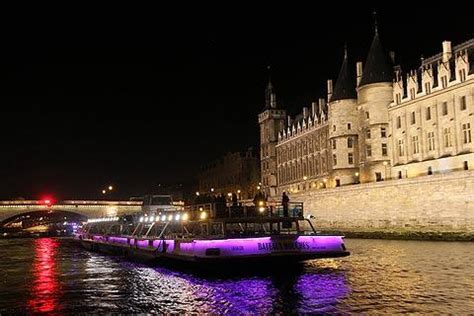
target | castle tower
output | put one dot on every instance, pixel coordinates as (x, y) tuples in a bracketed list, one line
[(271, 121), (374, 94), (343, 127)]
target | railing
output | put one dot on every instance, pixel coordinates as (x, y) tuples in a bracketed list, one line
[(263, 208)]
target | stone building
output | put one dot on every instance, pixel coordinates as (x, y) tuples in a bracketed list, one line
[(376, 124), (236, 172)]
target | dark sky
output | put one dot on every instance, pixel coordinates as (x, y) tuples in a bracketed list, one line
[(141, 96)]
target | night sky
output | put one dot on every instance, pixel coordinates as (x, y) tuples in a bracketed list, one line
[(141, 96)]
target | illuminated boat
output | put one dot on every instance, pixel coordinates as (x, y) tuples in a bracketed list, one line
[(198, 235)]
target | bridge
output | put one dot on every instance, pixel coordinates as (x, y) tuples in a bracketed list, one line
[(88, 208)]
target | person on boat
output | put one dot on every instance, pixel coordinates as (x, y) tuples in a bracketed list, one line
[(284, 202)]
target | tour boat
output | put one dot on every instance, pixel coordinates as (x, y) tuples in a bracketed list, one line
[(209, 234)]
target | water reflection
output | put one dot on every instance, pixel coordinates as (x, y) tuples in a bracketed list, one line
[(45, 290)]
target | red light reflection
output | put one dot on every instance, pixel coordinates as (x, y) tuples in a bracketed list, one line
[(45, 287)]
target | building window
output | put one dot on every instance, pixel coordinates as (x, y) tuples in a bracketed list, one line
[(349, 142), (369, 150), (428, 113), (399, 122), (412, 93), (466, 165), (447, 137), (334, 128), (444, 81), (427, 88), (445, 108), (366, 115), (431, 141), (463, 103), (383, 132), (466, 131), (399, 174), (401, 151), (333, 144), (415, 144), (430, 170), (348, 125), (384, 150), (462, 75), (368, 133), (334, 160), (413, 117), (350, 158), (398, 98)]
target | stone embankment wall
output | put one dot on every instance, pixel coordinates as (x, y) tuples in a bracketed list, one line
[(430, 207)]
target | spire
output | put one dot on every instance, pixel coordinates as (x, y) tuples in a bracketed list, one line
[(346, 81), (376, 27), (270, 96), (377, 67)]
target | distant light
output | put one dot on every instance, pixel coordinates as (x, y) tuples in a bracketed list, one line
[(200, 208), (141, 219), (111, 188), (260, 203), (212, 189), (229, 194), (203, 215), (163, 218), (146, 219), (261, 209), (305, 178), (258, 187), (385, 163), (152, 218), (185, 217), (325, 180), (197, 193), (157, 218), (177, 217), (170, 217), (356, 174), (238, 191), (103, 191)]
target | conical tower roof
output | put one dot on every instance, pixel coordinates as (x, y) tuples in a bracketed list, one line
[(377, 66), (346, 82)]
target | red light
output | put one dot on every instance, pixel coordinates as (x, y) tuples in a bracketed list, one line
[(47, 201)]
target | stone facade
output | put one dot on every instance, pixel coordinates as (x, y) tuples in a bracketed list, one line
[(376, 125), (234, 173), (436, 203)]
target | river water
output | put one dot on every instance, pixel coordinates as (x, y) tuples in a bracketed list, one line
[(381, 276)]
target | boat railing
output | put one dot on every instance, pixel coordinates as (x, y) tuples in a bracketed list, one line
[(261, 208)]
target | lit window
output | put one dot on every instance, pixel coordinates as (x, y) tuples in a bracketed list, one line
[(401, 148), (447, 137), (384, 150), (466, 130), (463, 103), (431, 141), (445, 108)]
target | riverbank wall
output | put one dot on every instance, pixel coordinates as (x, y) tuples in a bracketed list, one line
[(435, 207)]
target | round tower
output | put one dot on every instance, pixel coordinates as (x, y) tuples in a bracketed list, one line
[(343, 122), (374, 94)]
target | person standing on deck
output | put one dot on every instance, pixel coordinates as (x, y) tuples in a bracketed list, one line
[(284, 201)]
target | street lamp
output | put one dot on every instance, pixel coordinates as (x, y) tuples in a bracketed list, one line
[(212, 189), (104, 191), (111, 188), (197, 193), (305, 178)]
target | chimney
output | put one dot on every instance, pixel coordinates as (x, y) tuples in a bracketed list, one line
[(359, 72), (314, 108), (329, 89), (289, 121), (322, 104), (305, 112), (392, 56), (447, 52)]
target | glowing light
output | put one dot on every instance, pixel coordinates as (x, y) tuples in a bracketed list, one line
[(203, 215), (152, 218), (111, 188), (238, 191), (200, 208), (305, 178), (229, 194), (103, 191), (258, 187), (260, 203), (177, 217), (385, 163), (185, 217), (197, 193), (325, 180), (212, 189), (170, 217), (261, 209), (141, 219), (163, 218), (157, 218), (356, 174), (146, 219)]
